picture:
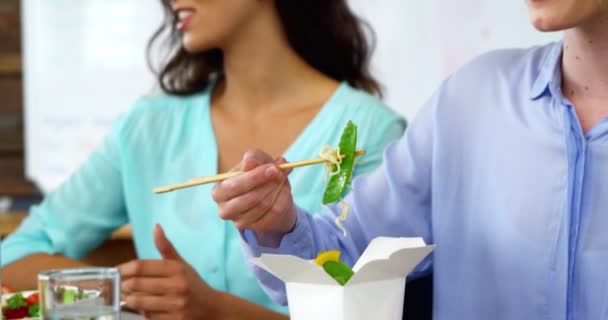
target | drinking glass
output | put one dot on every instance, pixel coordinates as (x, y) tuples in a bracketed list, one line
[(79, 294)]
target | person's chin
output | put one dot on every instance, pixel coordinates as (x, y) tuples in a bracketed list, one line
[(191, 48), (194, 46), (544, 24), (543, 27)]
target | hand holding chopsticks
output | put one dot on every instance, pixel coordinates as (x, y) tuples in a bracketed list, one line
[(223, 176)]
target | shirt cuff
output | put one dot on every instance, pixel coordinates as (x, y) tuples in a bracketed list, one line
[(298, 242)]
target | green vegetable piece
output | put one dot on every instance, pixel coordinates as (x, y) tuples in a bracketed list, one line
[(81, 295), (69, 296), (339, 271), (16, 301), (34, 310), (338, 182)]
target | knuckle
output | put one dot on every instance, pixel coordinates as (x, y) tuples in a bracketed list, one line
[(128, 285), (180, 269), (223, 213), (251, 152), (181, 287), (138, 266), (133, 284), (261, 177), (180, 304), (229, 185), (136, 302), (215, 193)]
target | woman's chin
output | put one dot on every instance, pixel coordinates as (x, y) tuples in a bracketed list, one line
[(192, 48), (194, 45)]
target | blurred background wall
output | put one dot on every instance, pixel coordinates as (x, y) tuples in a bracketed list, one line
[(12, 179), (84, 64)]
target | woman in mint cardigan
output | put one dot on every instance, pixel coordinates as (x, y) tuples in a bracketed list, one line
[(283, 76)]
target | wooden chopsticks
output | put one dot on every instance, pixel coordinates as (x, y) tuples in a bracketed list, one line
[(223, 176)]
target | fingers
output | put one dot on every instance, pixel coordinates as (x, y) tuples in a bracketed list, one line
[(152, 303), (150, 268), (255, 200), (263, 173), (164, 246), (165, 289), (277, 218), (251, 159), (245, 219), (271, 214), (258, 199), (246, 182), (154, 286), (281, 160), (255, 157), (160, 316)]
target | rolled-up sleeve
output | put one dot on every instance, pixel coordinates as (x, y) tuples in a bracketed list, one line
[(80, 214)]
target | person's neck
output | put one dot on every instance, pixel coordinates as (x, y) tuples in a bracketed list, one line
[(585, 61), (262, 71)]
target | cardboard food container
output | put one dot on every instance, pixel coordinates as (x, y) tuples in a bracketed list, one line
[(375, 291)]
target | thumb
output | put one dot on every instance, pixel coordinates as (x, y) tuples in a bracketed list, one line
[(164, 246), (281, 160), (253, 158)]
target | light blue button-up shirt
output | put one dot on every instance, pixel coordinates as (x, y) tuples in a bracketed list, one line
[(165, 140), (496, 171)]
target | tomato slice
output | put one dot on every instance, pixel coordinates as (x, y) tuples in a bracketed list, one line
[(32, 299)]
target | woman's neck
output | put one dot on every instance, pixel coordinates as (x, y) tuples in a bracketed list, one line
[(262, 71)]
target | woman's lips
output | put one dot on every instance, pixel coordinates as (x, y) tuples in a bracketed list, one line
[(184, 17)]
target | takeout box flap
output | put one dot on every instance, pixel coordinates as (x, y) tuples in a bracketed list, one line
[(381, 248), (397, 266), (293, 269), (389, 258), (385, 258)]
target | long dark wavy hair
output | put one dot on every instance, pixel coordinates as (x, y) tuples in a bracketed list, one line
[(325, 33)]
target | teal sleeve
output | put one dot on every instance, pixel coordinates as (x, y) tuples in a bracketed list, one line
[(80, 214)]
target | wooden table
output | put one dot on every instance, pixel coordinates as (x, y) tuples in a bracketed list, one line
[(10, 221), (117, 249)]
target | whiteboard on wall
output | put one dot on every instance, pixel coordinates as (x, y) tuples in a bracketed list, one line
[(419, 43), (84, 63)]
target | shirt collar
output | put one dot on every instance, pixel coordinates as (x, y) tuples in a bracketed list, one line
[(550, 75)]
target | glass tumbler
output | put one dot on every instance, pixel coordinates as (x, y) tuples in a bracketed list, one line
[(79, 294)]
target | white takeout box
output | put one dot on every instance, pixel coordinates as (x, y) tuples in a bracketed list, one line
[(375, 291)]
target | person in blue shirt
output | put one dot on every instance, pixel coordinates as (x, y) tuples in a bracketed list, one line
[(505, 169), (285, 76)]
